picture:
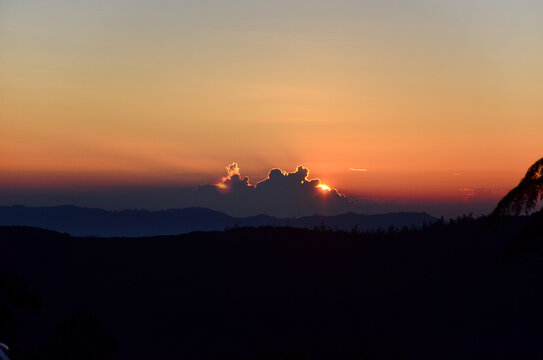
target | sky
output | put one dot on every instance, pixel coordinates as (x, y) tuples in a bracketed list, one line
[(438, 102)]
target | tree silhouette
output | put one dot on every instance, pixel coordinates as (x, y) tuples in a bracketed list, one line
[(524, 197)]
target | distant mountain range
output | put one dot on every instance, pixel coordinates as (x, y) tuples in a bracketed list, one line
[(80, 221)]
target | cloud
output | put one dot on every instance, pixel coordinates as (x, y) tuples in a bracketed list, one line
[(232, 179), (467, 193), (281, 193), (482, 194), (358, 169), (232, 169)]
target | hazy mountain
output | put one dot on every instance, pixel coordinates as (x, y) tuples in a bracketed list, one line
[(97, 222)]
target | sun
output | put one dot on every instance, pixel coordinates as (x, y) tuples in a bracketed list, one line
[(324, 187)]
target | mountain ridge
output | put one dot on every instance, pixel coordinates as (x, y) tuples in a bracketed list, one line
[(81, 221)]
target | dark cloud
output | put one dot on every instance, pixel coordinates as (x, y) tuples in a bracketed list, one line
[(281, 194)]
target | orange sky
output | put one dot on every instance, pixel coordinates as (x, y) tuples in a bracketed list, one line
[(436, 101)]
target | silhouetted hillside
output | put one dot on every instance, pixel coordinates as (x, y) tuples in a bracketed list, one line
[(524, 197), (443, 292), (96, 222)]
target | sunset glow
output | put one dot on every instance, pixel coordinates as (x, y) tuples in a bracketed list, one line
[(324, 187), (410, 104)]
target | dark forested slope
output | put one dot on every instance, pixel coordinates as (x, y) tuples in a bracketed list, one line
[(274, 293)]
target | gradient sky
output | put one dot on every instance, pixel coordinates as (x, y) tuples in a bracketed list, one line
[(438, 100)]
